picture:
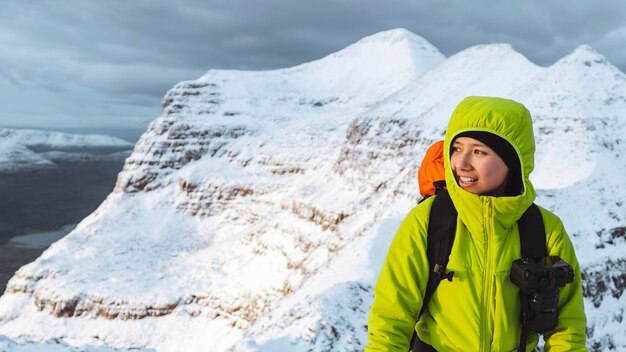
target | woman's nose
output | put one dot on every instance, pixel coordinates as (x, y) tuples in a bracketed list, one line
[(461, 161)]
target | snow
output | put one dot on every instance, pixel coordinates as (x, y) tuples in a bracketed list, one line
[(59, 140), (329, 313), (53, 345), (254, 214), (16, 157), (25, 149), (581, 85), (193, 334)]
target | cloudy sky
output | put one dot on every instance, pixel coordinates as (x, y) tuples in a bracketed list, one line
[(106, 64)]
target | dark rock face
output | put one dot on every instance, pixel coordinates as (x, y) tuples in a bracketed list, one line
[(607, 278), (603, 280)]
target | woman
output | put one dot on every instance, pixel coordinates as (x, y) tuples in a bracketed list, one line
[(488, 153)]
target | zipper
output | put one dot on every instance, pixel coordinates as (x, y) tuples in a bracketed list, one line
[(485, 331)]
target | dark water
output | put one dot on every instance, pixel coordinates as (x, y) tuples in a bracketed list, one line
[(12, 258), (42, 201)]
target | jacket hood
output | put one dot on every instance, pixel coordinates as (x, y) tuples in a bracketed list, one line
[(511, 121)]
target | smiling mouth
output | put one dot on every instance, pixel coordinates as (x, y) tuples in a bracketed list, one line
[(466, 180)]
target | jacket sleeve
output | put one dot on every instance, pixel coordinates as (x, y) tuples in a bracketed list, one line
[(400, 285), (569, 334)]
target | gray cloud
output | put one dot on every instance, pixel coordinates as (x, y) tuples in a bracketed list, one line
[(94, 63)]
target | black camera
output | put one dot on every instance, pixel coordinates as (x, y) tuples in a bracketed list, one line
[(539, 284)]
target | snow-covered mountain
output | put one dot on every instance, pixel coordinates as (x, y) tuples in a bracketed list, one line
[(26, 149), (51, 140), (16, 157), (255, 212)]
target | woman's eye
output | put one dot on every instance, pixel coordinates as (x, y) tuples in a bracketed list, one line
[(479, 152)]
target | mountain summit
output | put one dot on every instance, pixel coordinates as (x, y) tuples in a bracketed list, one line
[(255, 211), (583, 84), (383, 62)]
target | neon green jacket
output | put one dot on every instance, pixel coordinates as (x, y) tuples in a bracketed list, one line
[(479, 310)]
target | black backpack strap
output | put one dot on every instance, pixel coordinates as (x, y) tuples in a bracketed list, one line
[(439, 186), (441, 231), (532, 235)]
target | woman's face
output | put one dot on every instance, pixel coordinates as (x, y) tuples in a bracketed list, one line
[(477, 168)]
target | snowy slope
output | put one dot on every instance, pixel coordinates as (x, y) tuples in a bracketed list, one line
[(583, 84), (255, 212)]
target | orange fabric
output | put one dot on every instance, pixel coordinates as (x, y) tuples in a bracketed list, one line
[(431, 169)]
